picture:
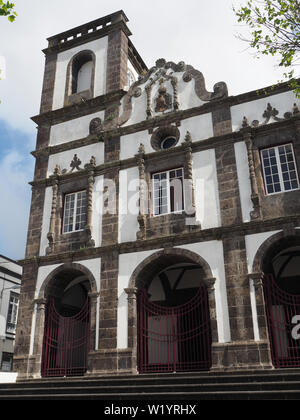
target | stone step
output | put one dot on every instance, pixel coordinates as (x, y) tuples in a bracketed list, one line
[(279, 384)]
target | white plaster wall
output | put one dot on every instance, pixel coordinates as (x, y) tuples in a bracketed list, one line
[(243, 179), (63, 159), (253, 242), (97, 210), (254, 110), (200, 128), (206, 189), (46, 220), (99, 47), (75, 129), (128, 204), (212, 253)]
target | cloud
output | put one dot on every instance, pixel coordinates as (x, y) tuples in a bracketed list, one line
[(15, 171)]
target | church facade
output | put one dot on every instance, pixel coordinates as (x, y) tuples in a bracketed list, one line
[(164, 224)]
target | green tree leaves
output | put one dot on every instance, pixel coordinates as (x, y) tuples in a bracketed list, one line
[(7, 9), (275, 30)]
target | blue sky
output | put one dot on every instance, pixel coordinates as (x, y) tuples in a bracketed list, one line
[(200, 33), (16, 169)]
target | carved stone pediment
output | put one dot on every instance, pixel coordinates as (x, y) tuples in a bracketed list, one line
[(167, 87)]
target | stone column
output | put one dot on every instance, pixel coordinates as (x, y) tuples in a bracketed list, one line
[(88, 228), (143, 211), (132, 325), (39, 335), (256, 213), (189, 192), (51, 233)]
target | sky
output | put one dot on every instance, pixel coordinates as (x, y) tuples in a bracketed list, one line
[(200, 33)]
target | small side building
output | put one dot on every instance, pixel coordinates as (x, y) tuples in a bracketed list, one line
[(10, 283)]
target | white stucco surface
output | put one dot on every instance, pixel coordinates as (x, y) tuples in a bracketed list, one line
[(206, 189), (254, 110), (200, 128), (75, 129), (99, 47), (63, 159), (128, 204), (243, 179), (253, 242)]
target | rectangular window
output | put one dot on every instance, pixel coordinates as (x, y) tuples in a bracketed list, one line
[(279, 168), (74, 212), (168, 192), (12, 313), (7, 362)]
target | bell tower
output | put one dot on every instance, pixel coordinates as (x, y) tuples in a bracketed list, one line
[(88, 69)]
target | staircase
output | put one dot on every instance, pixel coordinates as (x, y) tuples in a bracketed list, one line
[(183, 387)]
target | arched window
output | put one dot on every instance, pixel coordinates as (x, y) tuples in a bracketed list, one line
[(80, 77)]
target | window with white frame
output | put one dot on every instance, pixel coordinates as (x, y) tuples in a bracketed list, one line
[(74, 212), (167, 188), (279, 169), (12, 313)]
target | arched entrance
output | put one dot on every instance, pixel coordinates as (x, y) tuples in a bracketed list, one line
[(66, 331), (281, 267), (173, 314)]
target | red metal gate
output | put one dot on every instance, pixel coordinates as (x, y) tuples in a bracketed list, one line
[(281, 308), (174, 339), (65, 343)]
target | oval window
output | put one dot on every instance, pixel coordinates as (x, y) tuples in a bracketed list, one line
[(168, 142)]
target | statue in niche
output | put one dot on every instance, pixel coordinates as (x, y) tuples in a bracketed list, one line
[(164, 99)]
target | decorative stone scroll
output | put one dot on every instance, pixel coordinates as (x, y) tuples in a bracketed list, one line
[(160, 73)]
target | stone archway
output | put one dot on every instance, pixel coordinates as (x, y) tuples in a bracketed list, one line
[(159, 262), (65, 321), (276, 275)]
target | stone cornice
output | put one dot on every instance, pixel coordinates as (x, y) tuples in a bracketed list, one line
[(170, 241), (87, 32), (86, 107)]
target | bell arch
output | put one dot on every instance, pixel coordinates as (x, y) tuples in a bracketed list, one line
[(147, 270)]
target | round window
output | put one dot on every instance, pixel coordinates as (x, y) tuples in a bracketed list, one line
[(168, 142)]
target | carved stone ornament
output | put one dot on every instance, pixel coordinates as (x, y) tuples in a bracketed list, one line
[(96, 126), (171, 72), (271, 115), (75, 164)]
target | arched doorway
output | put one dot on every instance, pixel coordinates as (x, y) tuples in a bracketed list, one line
[(173, 317), (66, 331), (281, 267)]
